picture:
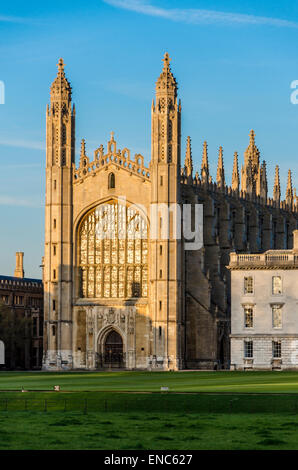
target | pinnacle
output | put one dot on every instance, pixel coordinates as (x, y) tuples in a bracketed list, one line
[(276, 181), (166, 81), (205, 153), (235, 174), (61, 65), (276, 187), (83, 149), (220, 176), (188, 145), (188, 158), (166, 60), (60, 83), (289, 192), (289, 188), (205, 164)]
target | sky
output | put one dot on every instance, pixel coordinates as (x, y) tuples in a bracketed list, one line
[(234, 63)]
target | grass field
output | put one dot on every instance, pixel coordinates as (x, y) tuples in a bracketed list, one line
[(229, 382), (149, 431), (125, 410)]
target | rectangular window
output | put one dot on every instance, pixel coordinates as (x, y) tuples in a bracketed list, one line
[(277, 316), (40, 326), (54, 250), (54, 305), (276, 285), (54, 274), (54, 223), (248, 285), (18, 300), (276, 349), (34, 302), (5, 299), (161, 181), (248, 317), (160, 273), (248, 349), (160, 250), (160, 305), (34, 327)]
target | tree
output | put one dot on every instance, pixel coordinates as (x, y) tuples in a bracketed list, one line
[(16, 333)]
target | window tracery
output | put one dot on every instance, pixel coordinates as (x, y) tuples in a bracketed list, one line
[(113, 252)]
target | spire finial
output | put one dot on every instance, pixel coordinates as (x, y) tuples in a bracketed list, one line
[(166, 83), (112, 136), (252, 136), (60, 84), (61, 65), (166, 60)]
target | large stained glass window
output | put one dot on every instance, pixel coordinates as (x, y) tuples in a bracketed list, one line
[(113, 252)]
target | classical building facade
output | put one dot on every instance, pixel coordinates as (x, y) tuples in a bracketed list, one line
[(140, 301), (24, 298), (264, 322)]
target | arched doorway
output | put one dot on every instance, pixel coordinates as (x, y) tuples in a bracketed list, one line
[(113, 350)]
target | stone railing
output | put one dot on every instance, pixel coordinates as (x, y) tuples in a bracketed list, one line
[(269, 258)]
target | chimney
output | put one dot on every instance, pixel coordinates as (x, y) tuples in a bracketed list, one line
[(19, 271), (295, 240)]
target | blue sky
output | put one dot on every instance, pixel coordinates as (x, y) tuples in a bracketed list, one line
[(234, 62)]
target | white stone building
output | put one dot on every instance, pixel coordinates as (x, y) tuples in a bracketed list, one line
[(264, 309)]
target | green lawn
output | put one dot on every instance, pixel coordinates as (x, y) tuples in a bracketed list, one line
[(118, 410), (149, 431), (229, 382)]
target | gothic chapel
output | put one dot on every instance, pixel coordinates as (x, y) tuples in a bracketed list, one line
[(131, 301)]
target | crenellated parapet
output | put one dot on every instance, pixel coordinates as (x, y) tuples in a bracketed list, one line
[(102, 159)]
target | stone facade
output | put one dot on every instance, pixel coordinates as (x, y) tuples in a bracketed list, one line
[(152, 305), (264, 309)]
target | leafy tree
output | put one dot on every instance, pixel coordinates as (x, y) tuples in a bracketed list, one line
[(16, 333)]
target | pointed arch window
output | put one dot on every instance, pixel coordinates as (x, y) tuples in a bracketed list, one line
[(113, 252), (111, 182)]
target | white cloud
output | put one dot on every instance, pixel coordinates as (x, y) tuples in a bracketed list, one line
[(198, 16), (13, 19), (21, 165), (19, 201), (23, 144)]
